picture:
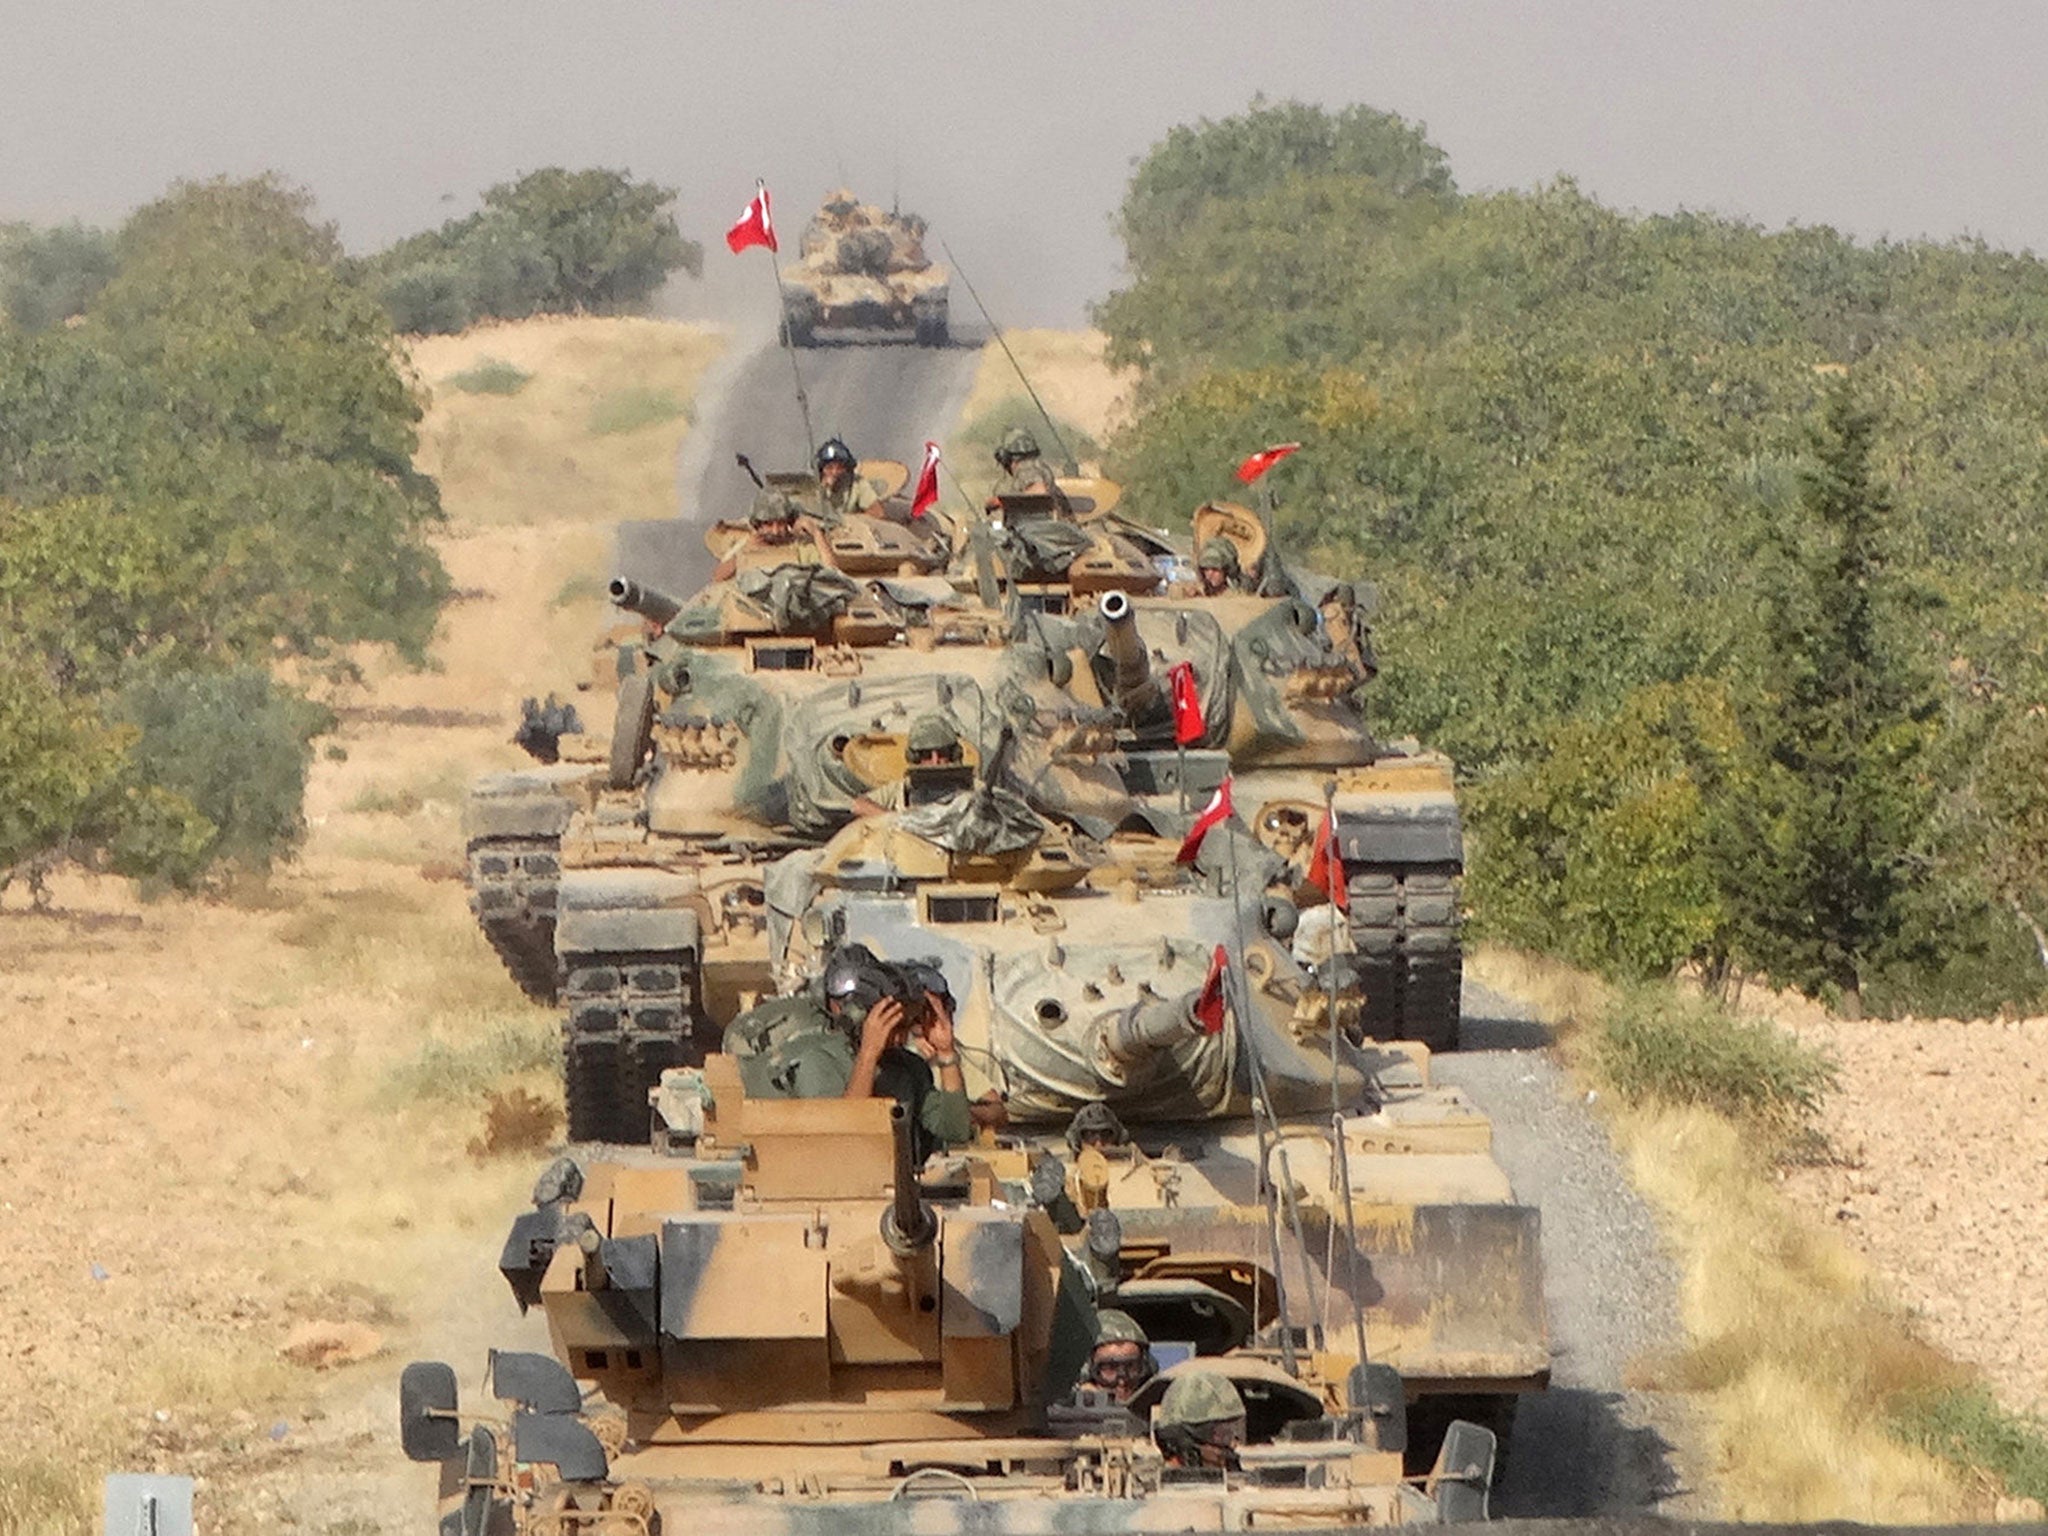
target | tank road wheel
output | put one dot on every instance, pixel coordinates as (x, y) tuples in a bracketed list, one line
[(632, 730), (512, 885), (1404, 922), (629, 1017)]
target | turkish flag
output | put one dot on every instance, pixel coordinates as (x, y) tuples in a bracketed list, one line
[(1188, 724), (1326, 865), (926, 496), (756, 226), (1217, 811), (1208, 1009), (1264, 460)]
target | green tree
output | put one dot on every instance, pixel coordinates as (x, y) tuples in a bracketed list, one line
[(48, 276), (609, 240), (1817, 860)]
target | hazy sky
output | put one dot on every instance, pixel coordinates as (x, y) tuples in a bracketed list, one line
[(1015, 136)]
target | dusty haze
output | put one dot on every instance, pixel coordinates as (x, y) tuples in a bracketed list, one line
[(1902, 119)]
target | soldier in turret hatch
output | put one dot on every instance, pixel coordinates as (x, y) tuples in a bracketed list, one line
[(1218, 567), (781, 530), (931, 742), (1201, 1422), (842, 493), (1024, 470), (1121, 1361)]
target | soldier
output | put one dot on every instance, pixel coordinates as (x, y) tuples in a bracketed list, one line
[(1349, 633), (779, 526), (931, 742), (1217, 566), (1025, 472), (1201, 1422), (1121, 1361), (1095, 1125), (862, 992), (841, 491)]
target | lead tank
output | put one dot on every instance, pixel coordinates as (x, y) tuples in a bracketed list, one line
[(1181, 995), (773, 1320), (862, 275)]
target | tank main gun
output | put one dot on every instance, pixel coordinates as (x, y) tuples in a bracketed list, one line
[(1132, 687), (657, 607), (1126, 1042)]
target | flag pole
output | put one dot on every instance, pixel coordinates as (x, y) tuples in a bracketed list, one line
[(1340, 1160), (803, 401)]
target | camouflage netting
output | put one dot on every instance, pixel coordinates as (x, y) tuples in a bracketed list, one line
[(800, 599), (821, 787), (982, 820)]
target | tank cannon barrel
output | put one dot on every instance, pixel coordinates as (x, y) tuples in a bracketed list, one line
[(1133, 1037), (645, 601), (1133, 688), (908, 1225)]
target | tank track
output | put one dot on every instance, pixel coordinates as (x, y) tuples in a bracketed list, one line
[(628, 1018), (1404, 924), (512, 886)]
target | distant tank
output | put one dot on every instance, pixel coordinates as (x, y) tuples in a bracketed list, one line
[(863, 276), (784, 1324)]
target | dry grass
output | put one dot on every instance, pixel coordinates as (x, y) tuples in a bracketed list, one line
[(1069, 373), (1792, 1348), (553, 451)]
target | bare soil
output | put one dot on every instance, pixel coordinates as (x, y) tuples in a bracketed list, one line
[(1940, 1131)]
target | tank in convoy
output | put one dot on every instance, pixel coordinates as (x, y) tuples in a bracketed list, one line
[(775, 1319), (754, 718), (862, 275)]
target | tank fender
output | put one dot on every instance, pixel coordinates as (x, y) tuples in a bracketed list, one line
[(537, 815), (1430, 833)]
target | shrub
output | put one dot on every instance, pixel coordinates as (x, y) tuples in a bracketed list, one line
[(489, 376), (1654, 1045), (1968, 1426), (430, 298), (227, 751)]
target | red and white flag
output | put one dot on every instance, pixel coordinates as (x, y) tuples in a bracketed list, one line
[(1326, 865), (756, 224), (1188, 724), (1263, 460), (926, 496), (1216, 812), (1208, 1009)]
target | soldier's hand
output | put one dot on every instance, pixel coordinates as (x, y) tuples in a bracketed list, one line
[(878, 1029), (938, 1028)]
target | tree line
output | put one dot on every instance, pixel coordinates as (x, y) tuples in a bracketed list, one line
[(1713, 554)]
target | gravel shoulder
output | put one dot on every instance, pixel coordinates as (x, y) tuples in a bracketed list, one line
[(1593, 1444)]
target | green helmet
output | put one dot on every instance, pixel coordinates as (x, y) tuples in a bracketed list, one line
[(1198, 1398), (1114, 1327), (1017, 443), (1218, 554), (834, 451), (1096, 1119), (931, 733), (771, 506)]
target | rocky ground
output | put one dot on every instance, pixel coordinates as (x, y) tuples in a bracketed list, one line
[(1940, 1133)]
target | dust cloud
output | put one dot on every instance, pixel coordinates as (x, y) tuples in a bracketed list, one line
[(1013, 128)]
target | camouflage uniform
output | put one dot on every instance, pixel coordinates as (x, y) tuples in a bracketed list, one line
[(853, 495), (1024, 470)]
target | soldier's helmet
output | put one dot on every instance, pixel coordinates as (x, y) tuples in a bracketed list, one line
[(1017, 443), (855, 980), (1096, 1119), (1342, 594), (772, 507), (1200, 1398), (931, 733), (925, 976), (1218, 554), (841, 200), (834, 451), (1114, 1327)]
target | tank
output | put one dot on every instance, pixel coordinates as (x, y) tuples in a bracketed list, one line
[(629, 877), (862, 275), (1182, 996), (773, 1320)]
